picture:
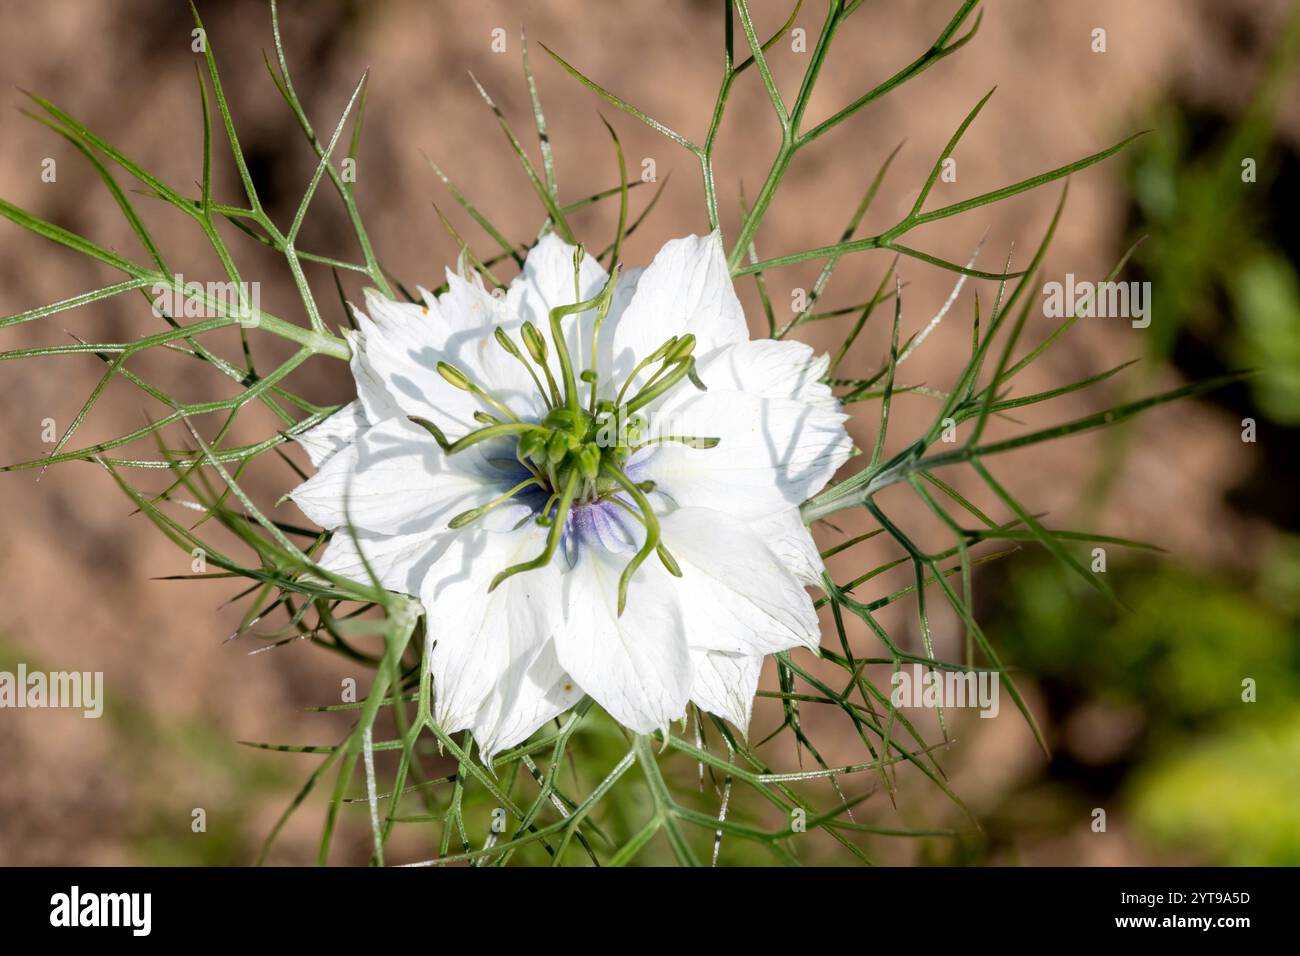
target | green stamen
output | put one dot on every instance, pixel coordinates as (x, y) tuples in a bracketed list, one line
[(536, 345), (474, 437), (507, 343), (552, 536), (465, 517), (690, 441), (460, 380), (680, 369), (572, 455), (651, 532), (665, 556), (649, 360)]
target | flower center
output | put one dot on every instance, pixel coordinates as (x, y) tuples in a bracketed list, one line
[(577, 455)]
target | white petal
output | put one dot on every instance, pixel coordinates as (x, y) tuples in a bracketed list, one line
[(479, 636), (770, 369), (396, 369), (546, 281), (636, 666), (534, 689), (687, 288), (393, 351), (792, 542), (398, 346), (774, 453), (725, 684), (467, 306), (324, 439), (399, 561), (395, 479), (407, 321), (736, 594)]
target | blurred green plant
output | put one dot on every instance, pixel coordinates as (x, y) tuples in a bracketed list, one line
[(1204, 772), (1228, 798), (1179, 653), (1211, 208)]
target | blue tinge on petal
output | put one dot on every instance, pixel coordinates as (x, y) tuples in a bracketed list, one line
[(600, 524)]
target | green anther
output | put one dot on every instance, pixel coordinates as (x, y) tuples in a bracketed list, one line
[(484, 434), (465, 517), (484, 418), (536, 345), (660, 353), (460, 380), (655, 356), (506, 342), (552, 537), (690, 441), (678, 370), (534, 342), (455, 377), (680, 348), (433, 430)]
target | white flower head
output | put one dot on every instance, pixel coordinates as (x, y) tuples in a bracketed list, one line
[(591, 482)]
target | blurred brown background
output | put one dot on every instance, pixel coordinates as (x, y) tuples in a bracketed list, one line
[(76, 570)]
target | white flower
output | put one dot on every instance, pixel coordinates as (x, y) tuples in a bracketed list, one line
[(485, 470)]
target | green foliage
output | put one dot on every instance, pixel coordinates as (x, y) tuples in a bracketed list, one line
[(1180, 653), (1209, 776), (1228, 799), (1211, 201)]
